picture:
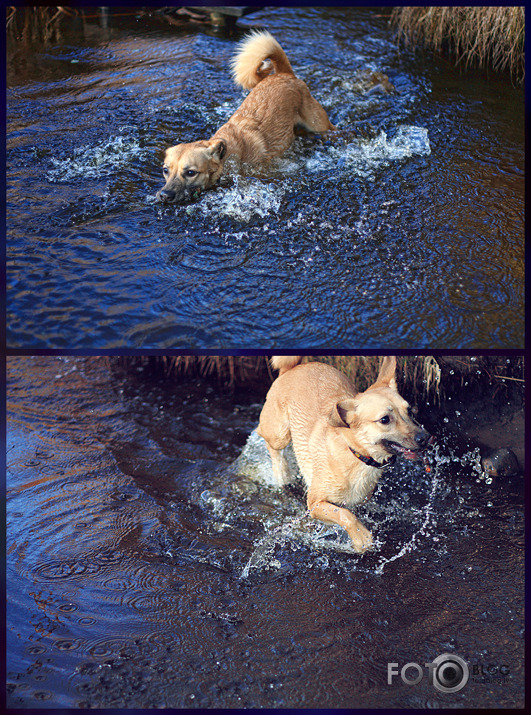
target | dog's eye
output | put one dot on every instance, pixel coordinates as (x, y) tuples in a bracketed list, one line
[(165, 170), (190, 172), (385, 419), (412, 411)]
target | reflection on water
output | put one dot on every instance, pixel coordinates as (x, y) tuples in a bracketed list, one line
[(151, 562), (406, 230)]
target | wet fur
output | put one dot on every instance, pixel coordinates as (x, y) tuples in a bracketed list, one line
[(261, 129), (318, 409)]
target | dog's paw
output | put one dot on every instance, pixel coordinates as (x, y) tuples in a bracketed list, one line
[(361, 539)]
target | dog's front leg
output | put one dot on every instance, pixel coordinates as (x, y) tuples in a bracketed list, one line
[(331, 514)]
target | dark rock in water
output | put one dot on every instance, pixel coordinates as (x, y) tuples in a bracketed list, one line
[(375, 82), (501, 463)]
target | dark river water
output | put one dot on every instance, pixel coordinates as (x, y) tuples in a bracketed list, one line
[(151, 563), (407, 231)]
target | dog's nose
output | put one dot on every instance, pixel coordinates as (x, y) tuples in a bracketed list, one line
[(422, 438), (166, 195)]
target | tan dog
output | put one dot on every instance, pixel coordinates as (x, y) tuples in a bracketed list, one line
[(259, 130), (341, 438)]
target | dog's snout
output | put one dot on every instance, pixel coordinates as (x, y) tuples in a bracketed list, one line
[(422, 439), (166, 195)]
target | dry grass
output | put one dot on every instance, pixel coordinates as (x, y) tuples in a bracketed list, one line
[(421, 375), (36, 24), (424, 377), (487, 36), (226, 369)]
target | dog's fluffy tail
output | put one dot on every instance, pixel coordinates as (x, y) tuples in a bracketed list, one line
[(283, 363), (258, 55)]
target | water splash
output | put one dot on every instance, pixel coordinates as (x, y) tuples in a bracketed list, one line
[(363, 157), (263, 553), (102, 159), (247, 198), (255, 462), (422, 531), (400, 510)]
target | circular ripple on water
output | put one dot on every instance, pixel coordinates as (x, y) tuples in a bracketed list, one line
[(67, 644), (108, 646), (109, 555), (42, 695), (117, 583), (42, 454), (165, 641), (36, 649), (126, 493), (148, 603), (149, 579), (56, 570), (68, 607), (87, 621)]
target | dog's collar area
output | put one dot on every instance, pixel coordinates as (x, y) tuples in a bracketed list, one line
[(372, 462)]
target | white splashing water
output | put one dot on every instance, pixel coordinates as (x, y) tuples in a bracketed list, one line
[(363, 157), (247, 198), (251, 197), (256, 463), (101, 159)]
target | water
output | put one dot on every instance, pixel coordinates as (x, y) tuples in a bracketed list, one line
[(406, 230), (151, 561)]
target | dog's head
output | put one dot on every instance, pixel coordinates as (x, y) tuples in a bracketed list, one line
[(381, 422), (191, 168)]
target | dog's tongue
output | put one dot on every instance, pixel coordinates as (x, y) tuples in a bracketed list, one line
[(408, 453)]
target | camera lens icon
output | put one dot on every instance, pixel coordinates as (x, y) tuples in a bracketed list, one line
[(450, 673)]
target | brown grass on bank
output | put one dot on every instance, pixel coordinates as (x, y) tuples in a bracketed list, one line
[(487, 36), (36, 24), (424, 377), (226, 369)]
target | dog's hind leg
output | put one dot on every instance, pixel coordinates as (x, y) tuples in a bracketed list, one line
[(275, 431), (280, 466), (313, 116), (332, 514)]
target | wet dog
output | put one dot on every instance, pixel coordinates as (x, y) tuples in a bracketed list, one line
[(342, 438), (261, 129)]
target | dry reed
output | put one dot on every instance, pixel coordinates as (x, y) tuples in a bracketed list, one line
[(424, 377), (486, 36)]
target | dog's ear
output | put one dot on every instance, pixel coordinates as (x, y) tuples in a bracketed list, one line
[(387, 373), (343, 413), (217, 149)]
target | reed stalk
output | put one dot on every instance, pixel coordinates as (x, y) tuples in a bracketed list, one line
[(483, 36), (423, 377)]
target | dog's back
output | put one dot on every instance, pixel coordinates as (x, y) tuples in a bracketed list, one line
[(261, 129), (311, 389), (258, 56)]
